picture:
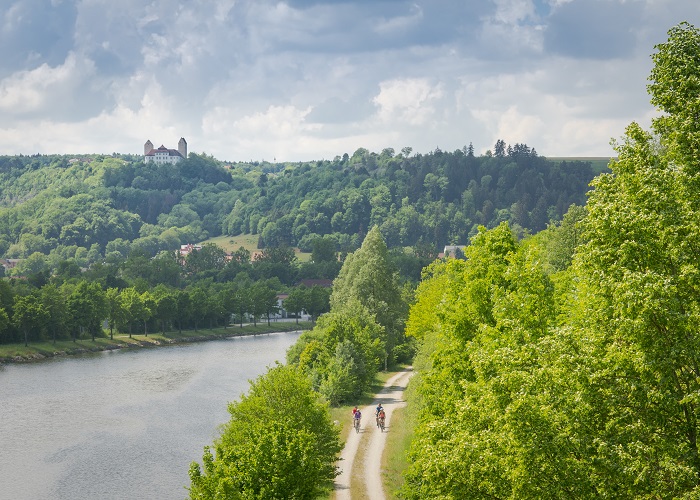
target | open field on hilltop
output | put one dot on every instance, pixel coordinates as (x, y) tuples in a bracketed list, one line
[(249, 242), (233, 243)]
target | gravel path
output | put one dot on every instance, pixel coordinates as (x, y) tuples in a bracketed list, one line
[(391, 397)]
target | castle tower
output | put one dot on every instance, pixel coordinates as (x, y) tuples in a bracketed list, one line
[(147, 147), (182, 147)]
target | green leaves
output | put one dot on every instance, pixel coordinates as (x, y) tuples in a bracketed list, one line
[(279, 443), (584, 383)]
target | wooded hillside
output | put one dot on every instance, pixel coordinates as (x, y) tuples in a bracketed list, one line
[(88, 209)]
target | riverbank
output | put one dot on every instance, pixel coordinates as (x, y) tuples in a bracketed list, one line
[(37, 351)]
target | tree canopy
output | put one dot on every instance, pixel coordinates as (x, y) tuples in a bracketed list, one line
[(279, 443), (574, 373)]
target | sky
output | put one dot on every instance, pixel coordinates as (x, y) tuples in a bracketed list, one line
[(303, 80)]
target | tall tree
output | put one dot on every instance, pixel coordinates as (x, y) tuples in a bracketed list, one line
[(29, 316), (294, 303), (368, 278), (132, 301), (166, 307), (115, 310), (55, 306), (638, 279)]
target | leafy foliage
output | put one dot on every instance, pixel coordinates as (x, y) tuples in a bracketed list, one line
[(279, 443), (572, 372), (89, 208)]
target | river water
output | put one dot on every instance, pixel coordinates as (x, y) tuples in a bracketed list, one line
[(122, 424)]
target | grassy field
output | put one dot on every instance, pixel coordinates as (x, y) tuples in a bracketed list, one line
[(233, 243), (395, 460), (47, 349), (249, 242)]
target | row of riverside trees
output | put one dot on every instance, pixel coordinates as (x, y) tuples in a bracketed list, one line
[(77, 310), (143, 295), (567, 365)]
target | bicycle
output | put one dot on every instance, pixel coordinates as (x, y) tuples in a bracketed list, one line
[(356, 424), (381, 423)]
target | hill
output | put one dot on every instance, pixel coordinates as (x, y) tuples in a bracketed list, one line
[(88, 209)]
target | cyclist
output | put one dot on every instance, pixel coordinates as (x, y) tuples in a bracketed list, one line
[(356, 416), (381, 416), (376, 412)]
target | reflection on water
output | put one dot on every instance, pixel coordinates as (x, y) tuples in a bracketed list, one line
[(121, 424)]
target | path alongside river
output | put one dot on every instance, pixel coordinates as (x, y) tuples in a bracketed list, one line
[(391, 398)]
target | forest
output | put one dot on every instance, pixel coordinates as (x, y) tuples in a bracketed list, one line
[(101, 208), (566, 365)]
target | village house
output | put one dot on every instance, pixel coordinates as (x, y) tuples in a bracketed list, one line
[(453, 252)]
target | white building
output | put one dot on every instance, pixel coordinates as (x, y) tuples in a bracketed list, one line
[(163, 154)]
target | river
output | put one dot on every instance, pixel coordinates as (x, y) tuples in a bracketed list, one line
[(123, 424)]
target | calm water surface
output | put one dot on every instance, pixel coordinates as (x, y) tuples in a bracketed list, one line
[(123, 424)]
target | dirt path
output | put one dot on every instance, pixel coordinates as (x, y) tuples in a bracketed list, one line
[(391, 397)]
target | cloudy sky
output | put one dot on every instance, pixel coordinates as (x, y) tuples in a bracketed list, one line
[(292, 80)]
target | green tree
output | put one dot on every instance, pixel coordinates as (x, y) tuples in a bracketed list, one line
[(199, 305), (149, 306), (279, 443), (241, 301), (5, 323), (489, 399), (317, 301), (87, 308), (637, 281), (115, 310), (165, 306), (342, 338), (29, 316), (367, 277), (278, 261), (55, 306), (183, 309), (133, 305), (323, 250), (294, 303), (210, 257), (263, 301)]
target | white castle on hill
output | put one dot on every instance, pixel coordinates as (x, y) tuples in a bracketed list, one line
[(163, 154)]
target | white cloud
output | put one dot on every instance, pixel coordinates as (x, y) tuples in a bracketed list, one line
[(514, 11), (39, 89), (411, 101), (304, 79), (400, 23)]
